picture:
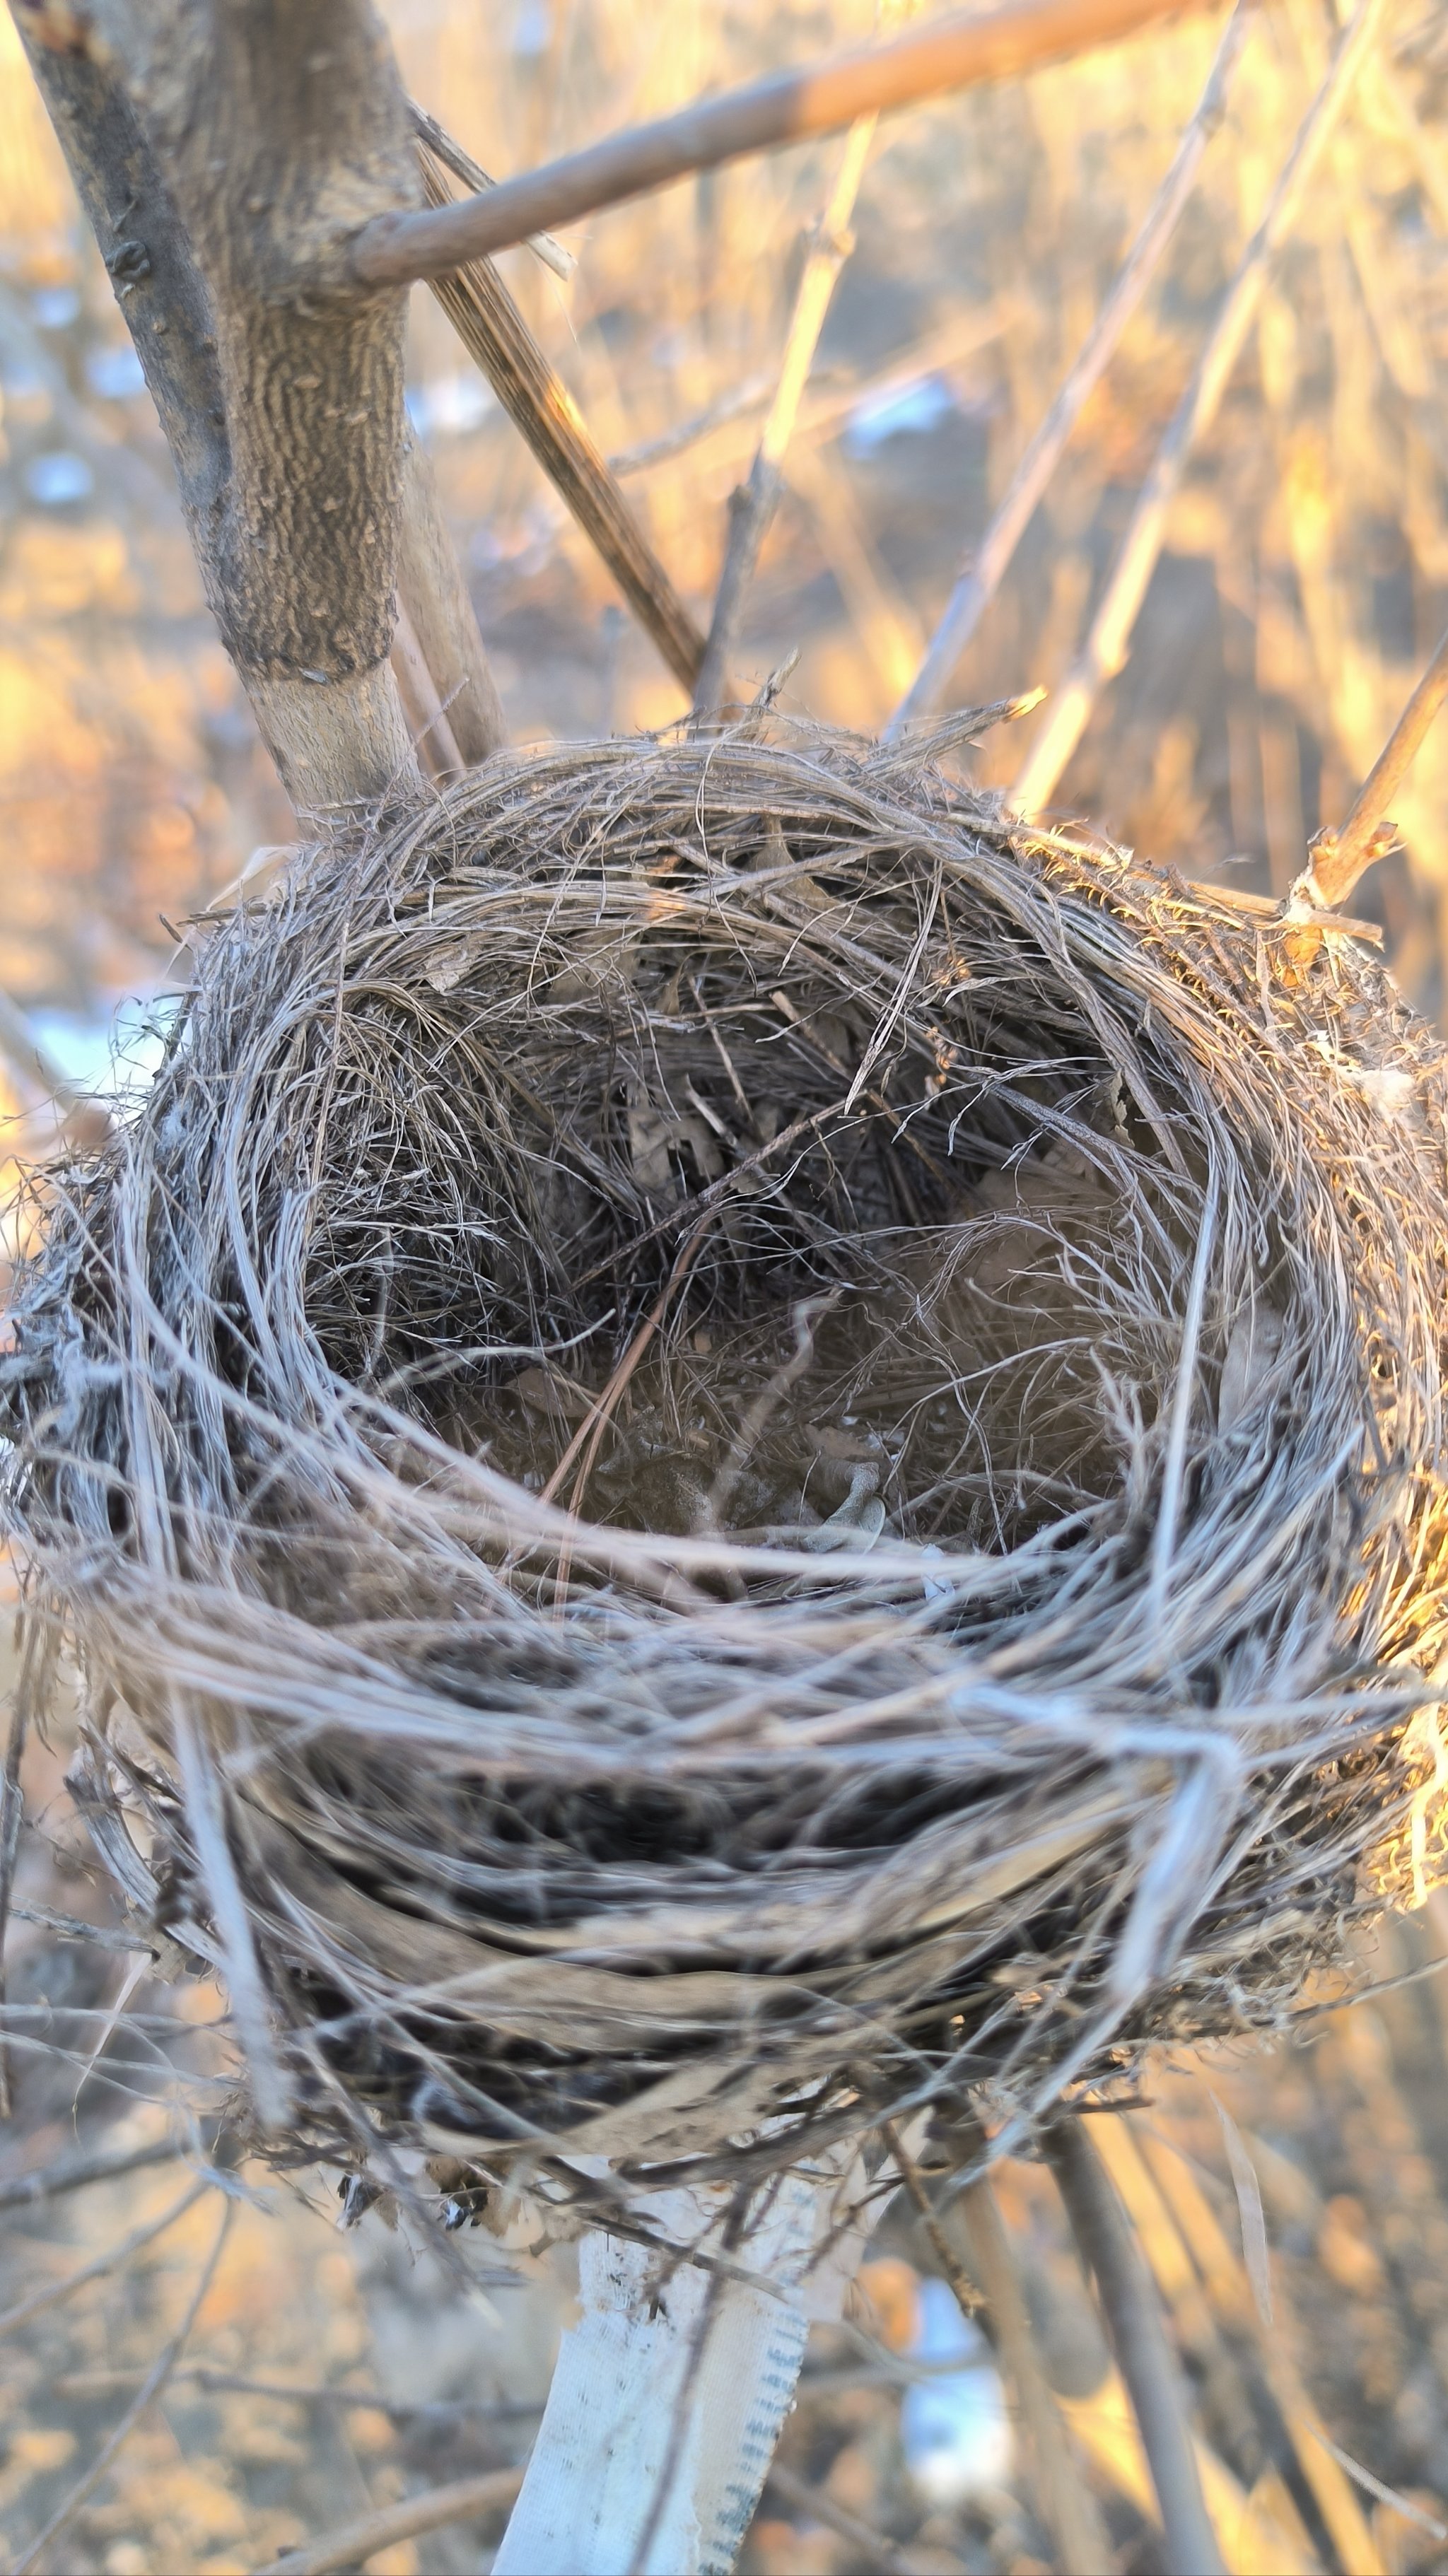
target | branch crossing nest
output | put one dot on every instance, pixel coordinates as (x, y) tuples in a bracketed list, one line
[(735, 1446)]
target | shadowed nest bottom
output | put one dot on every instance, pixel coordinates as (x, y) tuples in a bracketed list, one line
[(735, 1447)]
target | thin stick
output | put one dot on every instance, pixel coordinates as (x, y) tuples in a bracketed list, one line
[(156, 2379), (537, 401), (303, 2392), (968, 2297), (1109, 639), (110, 2261), (1068, 2507), (953, 53), (1339, 858), (434, 597), (1183, 1396), (352, 2543), (589, 1434), (830, 398), (51, 2180), (753, 505), (983, 570), (476, 179), (1143, 2356), (433, 738)]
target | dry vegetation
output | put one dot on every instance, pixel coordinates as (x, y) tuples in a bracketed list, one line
[(1305, 577)]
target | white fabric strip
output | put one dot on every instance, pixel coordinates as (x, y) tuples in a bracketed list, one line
[(642, 2426)]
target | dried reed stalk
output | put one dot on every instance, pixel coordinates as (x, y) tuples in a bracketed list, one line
[(986, 566), (1143, 2356), (496, 337), (1066, 2503), (1340, 857), (1108, 639), (753, 504), (1227, 2286)]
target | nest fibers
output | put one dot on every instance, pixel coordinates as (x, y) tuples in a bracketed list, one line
[(734, 1447)]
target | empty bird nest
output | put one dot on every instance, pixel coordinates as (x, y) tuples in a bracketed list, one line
[(735, 1446)]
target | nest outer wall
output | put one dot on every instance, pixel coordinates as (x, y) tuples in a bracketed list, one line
[(734, 1447)]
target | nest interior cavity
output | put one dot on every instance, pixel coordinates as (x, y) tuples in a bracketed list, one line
[(734, 1447)]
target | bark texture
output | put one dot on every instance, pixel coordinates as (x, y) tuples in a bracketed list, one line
[(282, 126), (226, 152)]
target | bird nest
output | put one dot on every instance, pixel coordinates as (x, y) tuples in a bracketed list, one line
[(735, 1446)]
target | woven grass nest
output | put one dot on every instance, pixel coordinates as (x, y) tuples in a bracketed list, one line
[(735, 1446)]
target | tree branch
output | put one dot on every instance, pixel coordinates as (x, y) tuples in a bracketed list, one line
[(954, 53)]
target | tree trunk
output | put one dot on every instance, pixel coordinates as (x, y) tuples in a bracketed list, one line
[(226, 153)]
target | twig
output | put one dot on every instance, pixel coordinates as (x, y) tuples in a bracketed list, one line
[(984, 570), (354, 2542), (496, 337), (874, 2548), (434, 600), (752, 506), (476, 179), (1184, 1393), (968, 2297), (110, 2261), (1109, 639), (1067, 2505), (433, 738), (830, 397), (954, 53), (1143, 2356), (105, 2166), (1385, 2495), (589, 1435), (316, 2392), (156, 2379), (1339, 858)]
